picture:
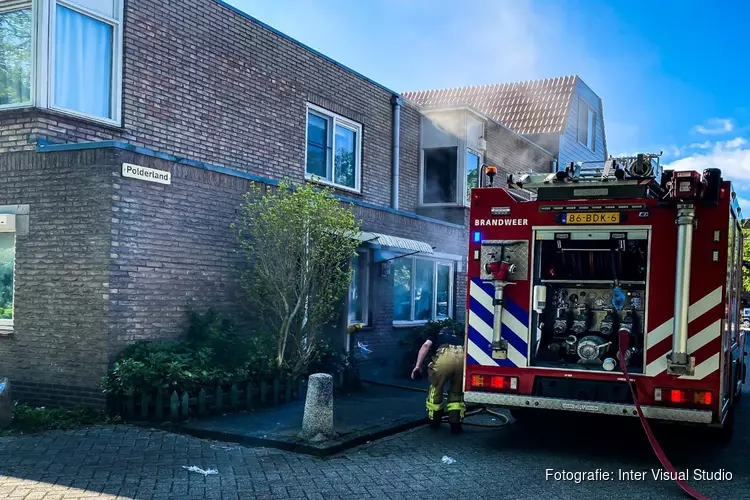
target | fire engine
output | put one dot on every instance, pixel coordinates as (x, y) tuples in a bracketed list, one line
[(607, 288)]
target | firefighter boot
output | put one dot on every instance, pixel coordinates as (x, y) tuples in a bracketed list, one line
[(437, 374), (456, 407)]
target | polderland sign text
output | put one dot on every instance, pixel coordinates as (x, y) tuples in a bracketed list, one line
[(146, 174)]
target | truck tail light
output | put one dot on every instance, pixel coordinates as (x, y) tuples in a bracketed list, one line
[(498, 383), (683, 397)]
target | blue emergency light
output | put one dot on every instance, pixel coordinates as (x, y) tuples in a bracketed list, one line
[(477, 237)]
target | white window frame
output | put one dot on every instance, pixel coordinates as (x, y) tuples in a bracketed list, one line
[(590, 143), (364, 266), (433, 311), (467, 201), (6, 325), (34, 15), (335, 120), (44, 14)]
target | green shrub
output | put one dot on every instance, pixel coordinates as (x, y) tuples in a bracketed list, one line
[(213, 353), (28, 419)]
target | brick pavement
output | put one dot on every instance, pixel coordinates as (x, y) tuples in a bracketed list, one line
[(131, 462)]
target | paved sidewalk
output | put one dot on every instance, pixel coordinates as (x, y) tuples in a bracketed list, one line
[(360, 416)]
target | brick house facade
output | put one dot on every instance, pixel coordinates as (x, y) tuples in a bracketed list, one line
[(218, 100)]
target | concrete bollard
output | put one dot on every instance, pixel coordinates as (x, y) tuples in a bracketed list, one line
[(317, 422), (6, 404)]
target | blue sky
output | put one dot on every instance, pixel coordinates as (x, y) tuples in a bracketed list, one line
[(673, 76)]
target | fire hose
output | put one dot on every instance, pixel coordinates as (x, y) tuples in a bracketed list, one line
[(624, 336)]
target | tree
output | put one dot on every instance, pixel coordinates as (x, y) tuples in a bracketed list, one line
[(296, 244), (745, 256)]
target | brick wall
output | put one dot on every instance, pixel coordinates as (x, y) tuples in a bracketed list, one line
[(205, 83), (59, 344)]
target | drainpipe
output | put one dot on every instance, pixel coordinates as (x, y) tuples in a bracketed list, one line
[(397, 102), (678, 361)]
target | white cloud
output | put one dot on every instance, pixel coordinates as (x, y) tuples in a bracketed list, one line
[(730, 156), (735, 143), (700, 145), (715, 126)]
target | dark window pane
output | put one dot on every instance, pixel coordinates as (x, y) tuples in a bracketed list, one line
[(440, 168), (355, 293), (472, 173), (402, 289), (423, 289), (583, 121), (15, 57), (317, 133), (345, 166), (443, 291)]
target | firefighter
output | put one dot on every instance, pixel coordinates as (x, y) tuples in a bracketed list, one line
[(447, 366)]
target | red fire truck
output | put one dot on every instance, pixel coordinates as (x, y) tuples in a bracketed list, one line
[(609, 288)]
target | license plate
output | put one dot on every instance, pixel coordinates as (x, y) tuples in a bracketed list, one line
[(592, 218)]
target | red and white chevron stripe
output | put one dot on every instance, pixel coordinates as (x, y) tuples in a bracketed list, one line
[(704, 338)]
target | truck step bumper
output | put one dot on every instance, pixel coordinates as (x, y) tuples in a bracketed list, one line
[(595, 407)]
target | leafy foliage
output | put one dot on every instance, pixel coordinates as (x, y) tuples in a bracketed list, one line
[(7, 251), (28, 419), (745, 256), (296, 243), (213, 353), (413, 341)]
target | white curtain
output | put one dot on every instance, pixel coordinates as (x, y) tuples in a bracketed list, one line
[(83, 63)]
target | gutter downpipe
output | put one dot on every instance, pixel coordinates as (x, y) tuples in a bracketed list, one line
[(397, 102)]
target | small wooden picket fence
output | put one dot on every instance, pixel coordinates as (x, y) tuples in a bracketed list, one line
[(162, 406)]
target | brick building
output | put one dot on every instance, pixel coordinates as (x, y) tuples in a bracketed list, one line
[(129, 132)]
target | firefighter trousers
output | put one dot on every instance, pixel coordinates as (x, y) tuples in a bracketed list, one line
[(447, 366)]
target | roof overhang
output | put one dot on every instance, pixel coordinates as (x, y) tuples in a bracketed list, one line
[(394, 242)]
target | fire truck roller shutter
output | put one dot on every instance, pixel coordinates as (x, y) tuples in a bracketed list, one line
[(515, 328), (656, 356)]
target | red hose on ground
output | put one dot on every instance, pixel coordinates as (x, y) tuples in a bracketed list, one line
[(624, 340)]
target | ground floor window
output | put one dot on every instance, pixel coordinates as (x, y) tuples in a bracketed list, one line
[(422, 289), (358, 290), (7, 263)]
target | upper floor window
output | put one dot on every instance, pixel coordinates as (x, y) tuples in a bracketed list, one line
[(16, 59), (473, 168), (586, 125), (63, 55), (439, 184), (333, 149)]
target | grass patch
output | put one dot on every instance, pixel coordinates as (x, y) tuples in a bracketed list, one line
[(27, 419)]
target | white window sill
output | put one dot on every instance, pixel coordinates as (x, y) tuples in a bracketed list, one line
[(84, 116), (318, 180), (11, 107), (409, 324), (429, 205), (6, 329)]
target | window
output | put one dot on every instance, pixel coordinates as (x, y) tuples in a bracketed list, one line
[(77, 50), (358, 296), (16, 59), (586, 125), (473, 162), (333, 149), (440, 179), (7, 263), (422, 290)]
